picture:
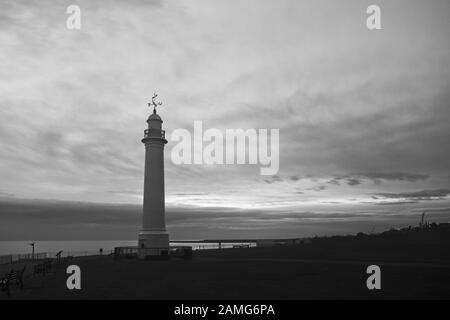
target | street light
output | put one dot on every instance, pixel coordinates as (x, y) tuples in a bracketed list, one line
[(32, 252)]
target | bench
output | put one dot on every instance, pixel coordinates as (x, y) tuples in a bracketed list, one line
[(11, 278)]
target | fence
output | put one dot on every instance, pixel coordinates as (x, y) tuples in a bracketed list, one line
[(12, 258), (21, 257), (132, 251)]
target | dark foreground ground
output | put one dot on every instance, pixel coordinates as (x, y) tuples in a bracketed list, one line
[(415, 267)]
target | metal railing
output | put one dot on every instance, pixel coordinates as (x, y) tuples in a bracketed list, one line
[(13, 258), (10, 258)]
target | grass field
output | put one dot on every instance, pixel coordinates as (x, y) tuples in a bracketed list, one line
[(412, 266)]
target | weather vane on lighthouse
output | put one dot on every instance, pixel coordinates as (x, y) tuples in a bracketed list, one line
[(154, 104)]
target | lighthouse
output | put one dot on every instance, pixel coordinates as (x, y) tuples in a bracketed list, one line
[(153, 239)]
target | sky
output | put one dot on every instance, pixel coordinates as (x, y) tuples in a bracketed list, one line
[(362, 115)]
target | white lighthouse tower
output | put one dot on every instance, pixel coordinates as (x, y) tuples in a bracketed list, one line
[(153, 238)]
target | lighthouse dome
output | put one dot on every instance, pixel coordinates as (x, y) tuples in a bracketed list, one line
[(154, 122), (154, 117)]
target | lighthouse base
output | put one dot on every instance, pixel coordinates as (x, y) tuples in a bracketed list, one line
[(153, 243)]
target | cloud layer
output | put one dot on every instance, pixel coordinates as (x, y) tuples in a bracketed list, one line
[(363, 115)]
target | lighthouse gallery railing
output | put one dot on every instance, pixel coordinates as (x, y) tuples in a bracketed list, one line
[(155, 133)]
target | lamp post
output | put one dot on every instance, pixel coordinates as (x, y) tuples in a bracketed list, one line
[(32, 250)]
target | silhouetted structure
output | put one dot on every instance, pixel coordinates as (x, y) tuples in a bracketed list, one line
[(153, 238)]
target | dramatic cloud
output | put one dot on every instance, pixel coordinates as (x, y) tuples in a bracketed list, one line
[(393, 176), (378, 177), (419, 195)]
